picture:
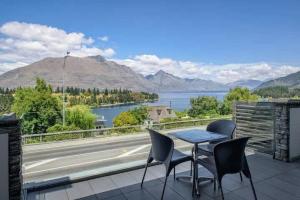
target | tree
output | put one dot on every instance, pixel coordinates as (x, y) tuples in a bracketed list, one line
[(80, 116), (204, 105), (140, 113), (6, 101), (125, 119), (236, 94), (38, 108)]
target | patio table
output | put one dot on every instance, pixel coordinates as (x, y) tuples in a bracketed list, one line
[(195, 137)]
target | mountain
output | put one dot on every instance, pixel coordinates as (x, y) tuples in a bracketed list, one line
[(97, 72), (250, 83), (291, 81), (168, 82), (87, 72)]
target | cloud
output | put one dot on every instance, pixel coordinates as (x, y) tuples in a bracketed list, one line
[(150, 64), (23, 43), (103, 38)]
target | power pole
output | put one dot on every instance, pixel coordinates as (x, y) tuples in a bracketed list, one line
[(63, 87)]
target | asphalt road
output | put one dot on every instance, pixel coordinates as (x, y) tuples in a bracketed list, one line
[(80, 158)]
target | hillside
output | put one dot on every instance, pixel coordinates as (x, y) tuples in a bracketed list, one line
[(96, 72), (88, 72), (250, 83), (168, 82), (291, 81)]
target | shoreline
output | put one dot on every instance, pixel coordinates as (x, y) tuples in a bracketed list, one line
[(123, 104)]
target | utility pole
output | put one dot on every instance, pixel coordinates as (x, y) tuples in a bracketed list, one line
[(63, 87)]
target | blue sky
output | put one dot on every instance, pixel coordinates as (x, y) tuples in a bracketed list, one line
[(211, 33)]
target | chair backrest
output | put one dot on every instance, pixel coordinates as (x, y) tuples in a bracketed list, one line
[(225, 127), (230, 156), (162, 146)]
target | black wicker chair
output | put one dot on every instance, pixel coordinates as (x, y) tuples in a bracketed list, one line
[(228, 158), (225, 127), (163, 151)]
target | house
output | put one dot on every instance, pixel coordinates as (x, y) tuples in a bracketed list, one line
[(157, 113)]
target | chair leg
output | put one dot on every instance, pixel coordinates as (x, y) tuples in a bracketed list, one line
[(174, 174), (220, 185), (215, 184), (253, 190), (163, 192), (144, 175), (191, 171), (241, 177)]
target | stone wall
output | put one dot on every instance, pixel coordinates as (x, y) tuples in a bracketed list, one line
[(253, 120), (281, 131), (12, 128), (282, 128)]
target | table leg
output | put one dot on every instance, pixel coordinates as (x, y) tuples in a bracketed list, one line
[(194, 179), (195, 174)]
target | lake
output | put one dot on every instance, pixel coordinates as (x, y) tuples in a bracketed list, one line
[(176, 100)]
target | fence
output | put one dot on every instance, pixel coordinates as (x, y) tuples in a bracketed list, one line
[(67, 135), (255, 120)]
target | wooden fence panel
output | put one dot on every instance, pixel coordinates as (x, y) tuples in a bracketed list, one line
[(255, 120)]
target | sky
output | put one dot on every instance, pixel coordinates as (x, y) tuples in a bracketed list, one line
[(218, 40)]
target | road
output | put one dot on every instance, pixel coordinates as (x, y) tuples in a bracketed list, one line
[(79, 158)]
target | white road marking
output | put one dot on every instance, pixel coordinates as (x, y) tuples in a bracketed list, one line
[(39, 163), (85, 163), (133, 151)]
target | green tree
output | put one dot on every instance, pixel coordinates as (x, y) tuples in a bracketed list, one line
[(204, 105), (140, 113), (6, 101), (125, 119), (236, 94), (80, 116), (37, 106)]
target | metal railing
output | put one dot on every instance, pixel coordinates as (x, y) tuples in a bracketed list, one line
[(104, 132)]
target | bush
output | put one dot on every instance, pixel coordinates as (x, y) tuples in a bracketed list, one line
[(81, 116), (125, 119), (205, 105), (60, 128)]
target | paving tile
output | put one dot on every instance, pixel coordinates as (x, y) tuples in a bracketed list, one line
[(123, 179), (102, 184), (273, 192), (91, 197), (119, 197), (139, 195), (109, 194), (245, 193), (33, 196), (290, 188), (273, 180), (55, 193), (79, 190)]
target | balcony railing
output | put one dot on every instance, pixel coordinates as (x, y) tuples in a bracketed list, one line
[(104, 132)]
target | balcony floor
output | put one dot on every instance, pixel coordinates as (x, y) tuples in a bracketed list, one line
[(272, 180)]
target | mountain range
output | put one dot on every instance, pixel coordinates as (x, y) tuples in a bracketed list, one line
[(291, 81), (97, 72), (250, 83), (166, 82)]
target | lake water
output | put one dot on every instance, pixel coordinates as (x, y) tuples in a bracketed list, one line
[(177, 101)]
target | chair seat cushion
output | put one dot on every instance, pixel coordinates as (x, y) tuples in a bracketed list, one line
[(179, 157)]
